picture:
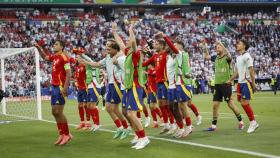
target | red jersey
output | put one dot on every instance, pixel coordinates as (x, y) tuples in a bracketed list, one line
[(58, 68), (135, 60), (80, 76), (152, 87), (160, 66)]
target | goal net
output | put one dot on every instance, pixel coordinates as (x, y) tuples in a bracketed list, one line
[(20, 80)]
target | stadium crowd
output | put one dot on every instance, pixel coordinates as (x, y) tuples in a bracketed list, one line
[(20, 29)]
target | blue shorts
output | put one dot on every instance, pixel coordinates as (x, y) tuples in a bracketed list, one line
[(152, 98), (171, 95), (183, 96), (124, 99), (112, 96), (92, 97), (161, 91), (82, 96), (134, 99), (244, 91), (56, 97)]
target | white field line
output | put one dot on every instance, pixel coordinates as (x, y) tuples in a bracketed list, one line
[(196, 144)]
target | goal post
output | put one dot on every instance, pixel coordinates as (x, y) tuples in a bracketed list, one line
[(20, 79)]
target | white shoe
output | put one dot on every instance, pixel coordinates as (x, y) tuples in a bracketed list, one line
[(165, 129), (179, 133), (253, 126), (173, 129), (198, 120), (95, 128), (147, 122), (143, 142), (187, 131), (134, 140)]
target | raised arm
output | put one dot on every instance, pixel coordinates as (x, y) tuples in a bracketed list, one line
[(42, 52), (117, 37), (132, 38), (170, 43), (205, 50)]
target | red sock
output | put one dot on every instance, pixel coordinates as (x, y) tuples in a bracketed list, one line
[(82, 113), (87, 114), (96, 116), (118, 123), (194, 109), (154, 114), (141, 134), (138, 114), (180, 124), (164, 114), (158, 112), (65, 128), (60, 128), (137, 133), (170, 115), (124, 124), (145, 110), (249, 111), (188, 121)]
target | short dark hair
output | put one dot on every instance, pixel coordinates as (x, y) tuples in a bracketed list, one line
[(114, 44), (61, 43), (246, 44)]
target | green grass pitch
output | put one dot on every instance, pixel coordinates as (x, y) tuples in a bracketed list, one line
[(34, 139)]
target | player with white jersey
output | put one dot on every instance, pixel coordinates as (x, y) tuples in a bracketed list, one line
[(246, 82)]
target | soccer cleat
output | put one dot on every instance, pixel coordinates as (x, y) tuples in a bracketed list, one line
[(58, 140), (188, 130), (147, 122), (143, 142), (198, 120), (241, 125), (66, 139), (253, 126), (87, 126), (80, 126), (95, 128), (179, 133), (118, 133), (211, 128), (165, 129), (134, 140), (172, 130), (125, 133)]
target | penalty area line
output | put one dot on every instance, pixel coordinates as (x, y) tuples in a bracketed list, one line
[(195, 144)]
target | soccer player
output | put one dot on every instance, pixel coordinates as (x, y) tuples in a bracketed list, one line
[(181, 80), (114, 91), (61, 74), (222, 90), (133, 81), (80, 76), (152, 98), (160, 59), (93, 82), (246, 82)]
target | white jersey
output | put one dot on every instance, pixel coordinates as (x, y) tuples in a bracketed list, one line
[(94, 75), (171, 70), (243, 62), (179, 58), (116, 71)]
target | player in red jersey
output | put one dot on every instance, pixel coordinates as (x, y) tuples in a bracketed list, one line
[(160, 59), (80, 76), (61, 74), (152, 91)]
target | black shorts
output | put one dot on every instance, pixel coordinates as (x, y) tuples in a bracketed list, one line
[(222, 91)]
